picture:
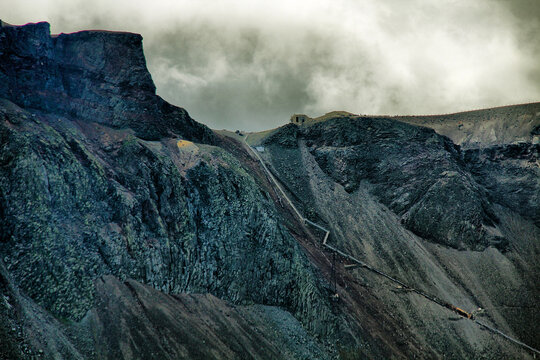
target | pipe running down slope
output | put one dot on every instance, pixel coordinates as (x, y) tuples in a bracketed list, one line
[(429, 297)]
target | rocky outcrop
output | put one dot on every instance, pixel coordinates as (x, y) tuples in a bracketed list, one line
[(285, 137), (96, 76), (417, 173), (347, 172), (510, 174), (94, 182), (440, 192), (78, 203), (116, 207)]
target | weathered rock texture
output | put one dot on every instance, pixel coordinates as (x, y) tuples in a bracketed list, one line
[(93, 182), (114, 204), (511, 174), (96, 76), (416, 172), (459, 224), (154, 325), (130, 320)]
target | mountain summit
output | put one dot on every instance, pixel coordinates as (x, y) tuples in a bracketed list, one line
[(97, 76)]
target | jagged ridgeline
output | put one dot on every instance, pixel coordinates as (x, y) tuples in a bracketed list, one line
[(129, 230)]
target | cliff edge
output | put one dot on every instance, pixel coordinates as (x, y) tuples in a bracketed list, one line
[(97, 76)]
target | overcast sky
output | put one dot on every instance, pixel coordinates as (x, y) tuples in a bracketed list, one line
[(250, 64)]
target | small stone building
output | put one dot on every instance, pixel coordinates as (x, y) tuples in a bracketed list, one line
[(299, 119)]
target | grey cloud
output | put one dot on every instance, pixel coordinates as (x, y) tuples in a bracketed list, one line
[(248, 65)]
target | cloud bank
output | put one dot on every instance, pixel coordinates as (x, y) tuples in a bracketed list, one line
[(249, 65)]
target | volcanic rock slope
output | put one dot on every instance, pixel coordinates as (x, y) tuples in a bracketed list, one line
[(100, 177), (456, 217), (128, 230)]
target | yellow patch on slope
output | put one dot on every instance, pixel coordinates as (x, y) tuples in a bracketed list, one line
[(183, 143)]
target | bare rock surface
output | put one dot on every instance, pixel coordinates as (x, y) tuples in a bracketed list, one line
[(350, 174), (91, 184), (130, 231), (417, 173), (150, 324), (97, 76)]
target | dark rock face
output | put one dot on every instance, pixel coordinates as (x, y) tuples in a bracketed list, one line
[(74, 209), (93, 182), (10, 332), (417, 173), (511, 175), (351, 170), (108, 217), (130, 320), (97, 76), (285, 137)]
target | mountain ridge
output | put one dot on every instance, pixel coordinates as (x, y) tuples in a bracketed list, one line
[(104, 203), (97, 76)]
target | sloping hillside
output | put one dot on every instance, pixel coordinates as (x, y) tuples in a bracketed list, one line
[(486, 127), (129, 230), (83, 195), (462, 225)]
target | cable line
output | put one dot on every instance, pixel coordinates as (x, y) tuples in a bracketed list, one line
[(429, 297)]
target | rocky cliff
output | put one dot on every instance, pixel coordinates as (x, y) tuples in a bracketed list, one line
[(100, 176), (96, 76), (128, 230), (461, 224)]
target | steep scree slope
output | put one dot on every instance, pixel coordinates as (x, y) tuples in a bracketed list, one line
[(473, 216), (416, 172)]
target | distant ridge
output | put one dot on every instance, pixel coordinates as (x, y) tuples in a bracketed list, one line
[(485, 127), (472, 128)]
